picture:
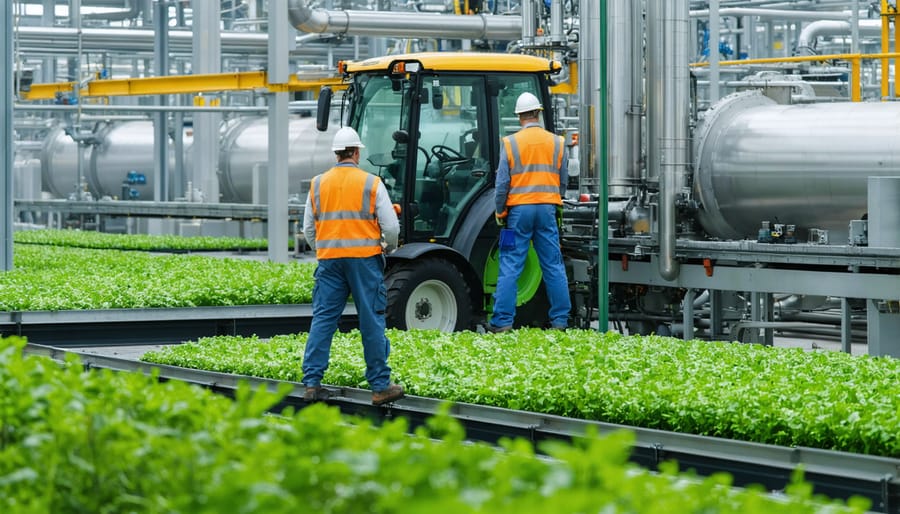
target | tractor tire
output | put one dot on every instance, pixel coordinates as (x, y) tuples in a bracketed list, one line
[(427, 293)]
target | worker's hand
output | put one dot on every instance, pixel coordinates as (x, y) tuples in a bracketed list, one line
[(559, 216), (500, 218), (397, 209)]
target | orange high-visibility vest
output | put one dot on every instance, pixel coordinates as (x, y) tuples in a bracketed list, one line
[(535, 159), (343, 202)]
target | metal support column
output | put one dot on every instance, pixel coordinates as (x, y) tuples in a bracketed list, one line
[(689, 297), (7, 140), (884, 327), (714, 30), (161, 119), (715, 315), (755, 315), (846, 326), (277, 170), (769, 315), (207, 59)]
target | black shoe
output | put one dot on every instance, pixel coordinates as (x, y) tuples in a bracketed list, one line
[(497, 330), (392, 393), (316, 394)]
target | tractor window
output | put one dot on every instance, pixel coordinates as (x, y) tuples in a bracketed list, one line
[(380, 114), (509, 87), (453, 151)]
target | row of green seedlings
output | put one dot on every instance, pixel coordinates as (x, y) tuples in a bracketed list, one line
[(144, 242), (94, 441), (780, 396), (58, 278)]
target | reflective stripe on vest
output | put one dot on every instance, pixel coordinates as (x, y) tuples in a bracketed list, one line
[(533, 169), (343, 202)]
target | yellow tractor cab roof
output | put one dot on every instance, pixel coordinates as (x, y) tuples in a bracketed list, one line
[(454, 61)]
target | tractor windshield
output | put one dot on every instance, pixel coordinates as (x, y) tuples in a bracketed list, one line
[(380, 113), (433, 138)]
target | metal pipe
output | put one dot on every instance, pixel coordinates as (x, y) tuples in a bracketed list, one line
[(131, 10), (6, 135), (161, 119), (636, 109), (56, 40), (774, 14), (669, 86), (407, 24), (808, 35), (588, 84), (557, 36), (885, 48), (529, 22), (714, 19), (619, 97)]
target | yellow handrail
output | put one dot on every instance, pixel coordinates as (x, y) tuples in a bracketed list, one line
[(855, 66)]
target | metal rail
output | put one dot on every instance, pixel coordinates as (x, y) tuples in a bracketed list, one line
[(116, 327), (835, 474), (237, 211)]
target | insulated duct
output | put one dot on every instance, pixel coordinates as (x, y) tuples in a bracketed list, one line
[(624, 97), (403, 23), (667, 83)]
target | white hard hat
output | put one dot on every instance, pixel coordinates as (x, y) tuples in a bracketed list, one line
[(344, 138), (527, 102)]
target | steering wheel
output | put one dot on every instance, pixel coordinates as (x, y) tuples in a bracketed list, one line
[(447, 154), (447, 157)]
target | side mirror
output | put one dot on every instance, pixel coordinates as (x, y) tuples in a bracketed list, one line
[(323, 109)]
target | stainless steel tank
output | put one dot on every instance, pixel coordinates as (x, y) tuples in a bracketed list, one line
[(124, 147), (245, 152), (128, 146), (806, 165)]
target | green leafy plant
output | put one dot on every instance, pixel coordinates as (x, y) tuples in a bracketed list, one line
[(782, 396), (57, 278), (145, 242), (76, 441)]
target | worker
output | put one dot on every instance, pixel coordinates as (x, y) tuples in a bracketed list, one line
[(531, 180), (350, 222)]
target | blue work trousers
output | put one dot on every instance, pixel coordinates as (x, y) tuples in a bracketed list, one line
[(335, 280), (532, 223)]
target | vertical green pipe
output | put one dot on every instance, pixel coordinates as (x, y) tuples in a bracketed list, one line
[(603, 222), (7, 137)]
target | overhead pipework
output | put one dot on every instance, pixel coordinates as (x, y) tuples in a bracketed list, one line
[(403, 23)]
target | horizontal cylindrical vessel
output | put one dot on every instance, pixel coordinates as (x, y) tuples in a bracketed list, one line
[(806, 165), (244, 156), (125, 147), (121, 148)]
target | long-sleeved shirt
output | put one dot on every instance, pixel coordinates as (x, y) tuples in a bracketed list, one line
[(384, 213), (501, 183)]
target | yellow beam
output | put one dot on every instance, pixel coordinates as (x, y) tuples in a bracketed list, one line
[(180, 84)]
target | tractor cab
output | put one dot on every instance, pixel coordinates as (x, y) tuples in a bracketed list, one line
[(432, 125)]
